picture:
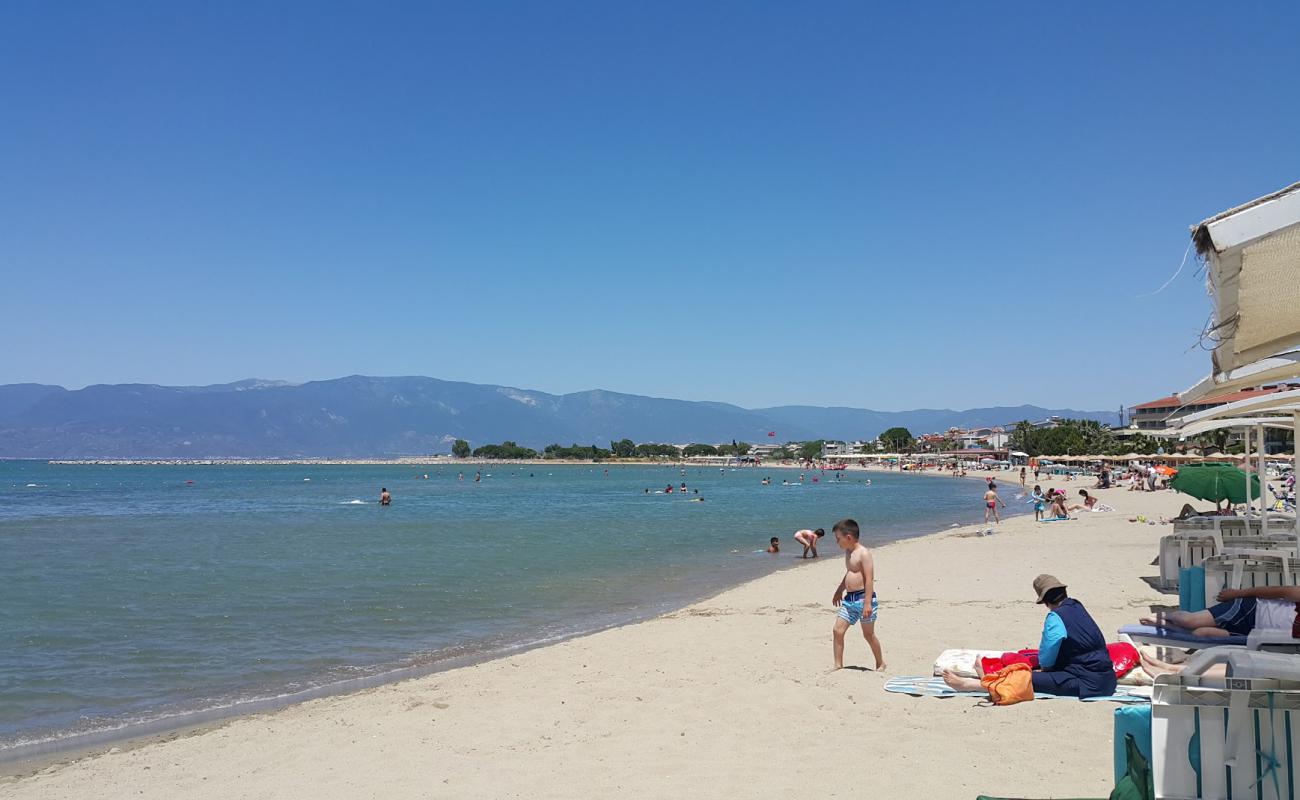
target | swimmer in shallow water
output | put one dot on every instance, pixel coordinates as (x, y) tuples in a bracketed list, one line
[(774, 545), (384, 497)]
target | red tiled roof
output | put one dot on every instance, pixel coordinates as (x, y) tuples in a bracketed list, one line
[(1172, 400), (1164, 402)]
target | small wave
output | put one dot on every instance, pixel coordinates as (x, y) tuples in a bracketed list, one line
[(354, 503), (34, 486)]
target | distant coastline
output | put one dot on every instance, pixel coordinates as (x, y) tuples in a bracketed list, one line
[(412, 461)]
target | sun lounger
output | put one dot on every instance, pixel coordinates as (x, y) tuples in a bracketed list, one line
[(1248, 571), (1176, 637), (1180, 551), (1264, 640), (1229, 527), (1219, 738), (930, 686)]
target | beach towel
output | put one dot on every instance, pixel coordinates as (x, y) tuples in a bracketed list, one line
[(930, 686)]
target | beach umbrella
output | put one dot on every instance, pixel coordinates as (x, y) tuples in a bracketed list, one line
[(1215, 482), (1166, 471)]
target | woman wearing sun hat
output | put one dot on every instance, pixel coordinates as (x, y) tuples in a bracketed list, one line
[(1072, 656)]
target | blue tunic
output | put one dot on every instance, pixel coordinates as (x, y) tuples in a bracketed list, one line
[(1072, 656)]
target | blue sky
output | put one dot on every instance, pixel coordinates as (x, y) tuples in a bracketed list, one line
[(761, 203)]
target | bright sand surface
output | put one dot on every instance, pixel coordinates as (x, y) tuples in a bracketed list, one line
[(730, 697)]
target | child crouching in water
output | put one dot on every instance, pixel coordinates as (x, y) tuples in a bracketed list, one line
[(855, 597)]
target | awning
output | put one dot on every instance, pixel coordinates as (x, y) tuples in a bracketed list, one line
[(1252, 254)]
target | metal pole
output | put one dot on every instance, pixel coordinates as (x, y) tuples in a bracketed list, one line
[(1295, 455), (1246, 436), (1263, 475)]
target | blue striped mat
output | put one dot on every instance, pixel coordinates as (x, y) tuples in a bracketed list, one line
[(930, 686)]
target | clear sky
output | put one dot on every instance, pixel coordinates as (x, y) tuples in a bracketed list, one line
[(879, 205)]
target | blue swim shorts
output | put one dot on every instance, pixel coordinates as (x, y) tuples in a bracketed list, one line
[(1236, 616), (852, 608)]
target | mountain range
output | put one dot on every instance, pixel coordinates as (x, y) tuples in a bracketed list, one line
[(359, 417)]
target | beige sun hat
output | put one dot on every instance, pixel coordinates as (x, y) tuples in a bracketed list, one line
[(1045, 583)]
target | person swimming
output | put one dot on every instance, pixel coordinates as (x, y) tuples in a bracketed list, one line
[(774, 545)]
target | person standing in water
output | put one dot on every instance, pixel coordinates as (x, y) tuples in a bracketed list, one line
[(384, 497), (809, 539)]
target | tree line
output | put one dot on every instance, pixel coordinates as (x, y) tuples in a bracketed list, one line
[(623, 448)]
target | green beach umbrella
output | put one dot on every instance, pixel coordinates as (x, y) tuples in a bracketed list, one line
[(1215, 482)]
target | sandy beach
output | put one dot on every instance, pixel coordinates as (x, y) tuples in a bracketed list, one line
[(730, 697)]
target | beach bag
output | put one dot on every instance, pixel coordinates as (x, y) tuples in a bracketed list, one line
[(1010, 685)]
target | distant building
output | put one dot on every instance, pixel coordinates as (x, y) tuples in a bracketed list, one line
[(973, 438), (1155, 414)]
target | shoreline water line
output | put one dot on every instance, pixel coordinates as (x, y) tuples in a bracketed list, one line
[(58, 745), (34, 755)]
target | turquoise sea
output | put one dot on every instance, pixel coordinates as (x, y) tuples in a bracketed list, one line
[(138, 596)]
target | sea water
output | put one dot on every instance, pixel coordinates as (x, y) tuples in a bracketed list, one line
[(138, 593)]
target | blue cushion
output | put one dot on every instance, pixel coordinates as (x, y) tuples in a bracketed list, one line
[(1180, 637)]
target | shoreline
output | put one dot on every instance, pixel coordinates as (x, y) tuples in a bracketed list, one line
[(627, 708), (29, 757)]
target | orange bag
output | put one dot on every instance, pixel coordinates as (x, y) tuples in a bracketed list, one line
[(1013, 683)]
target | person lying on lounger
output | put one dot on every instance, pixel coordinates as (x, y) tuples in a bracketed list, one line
[(1188, 512), (1072, 657), (1239, 612)]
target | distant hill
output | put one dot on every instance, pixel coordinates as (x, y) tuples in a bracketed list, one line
[(362, 416)]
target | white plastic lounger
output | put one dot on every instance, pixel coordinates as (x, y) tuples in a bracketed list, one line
[(1218, 738), (1182, 550), (1258, 568)]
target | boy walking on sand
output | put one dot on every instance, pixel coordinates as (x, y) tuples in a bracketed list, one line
[(991, 503), (855, 597)]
